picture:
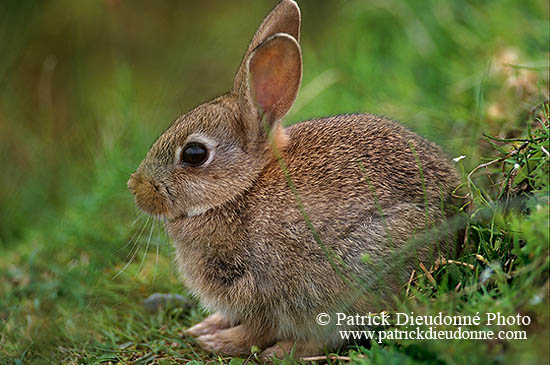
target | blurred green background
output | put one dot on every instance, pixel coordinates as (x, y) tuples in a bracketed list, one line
[(86, 86)]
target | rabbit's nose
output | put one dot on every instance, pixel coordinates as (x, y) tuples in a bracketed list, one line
[(133, 181)]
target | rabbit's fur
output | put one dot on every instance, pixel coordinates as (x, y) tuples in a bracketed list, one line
[(274, 227)]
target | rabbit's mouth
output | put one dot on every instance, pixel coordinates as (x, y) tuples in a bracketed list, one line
[(151, 197)]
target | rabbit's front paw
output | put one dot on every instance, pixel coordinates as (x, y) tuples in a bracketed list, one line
[(233, 341), (209, 325)]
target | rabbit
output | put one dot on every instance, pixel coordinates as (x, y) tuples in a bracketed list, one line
[(273, 226)]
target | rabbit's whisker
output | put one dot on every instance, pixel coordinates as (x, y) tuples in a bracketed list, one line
[(158, 247), (146, 247), (136, 246), (140, 215), (169, 251), (134, 240)]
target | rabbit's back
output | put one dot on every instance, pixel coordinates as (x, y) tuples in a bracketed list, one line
[(345, 165)]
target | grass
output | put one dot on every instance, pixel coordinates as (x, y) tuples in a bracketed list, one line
[(85, 88)]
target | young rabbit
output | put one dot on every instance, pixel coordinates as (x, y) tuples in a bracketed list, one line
[(273, 226)]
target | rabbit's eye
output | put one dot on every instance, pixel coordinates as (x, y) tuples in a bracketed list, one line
[(194, 154)]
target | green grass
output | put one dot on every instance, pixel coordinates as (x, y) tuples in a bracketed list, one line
[(86, 87)]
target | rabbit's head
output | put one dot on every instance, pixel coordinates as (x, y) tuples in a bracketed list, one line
[(215, 152)]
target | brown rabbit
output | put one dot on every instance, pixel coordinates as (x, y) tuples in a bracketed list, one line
[(272, 225)]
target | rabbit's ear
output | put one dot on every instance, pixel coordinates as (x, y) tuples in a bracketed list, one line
[(285, 18), (274, 76)]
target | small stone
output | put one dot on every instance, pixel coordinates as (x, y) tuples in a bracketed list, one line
[(156, 301)]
